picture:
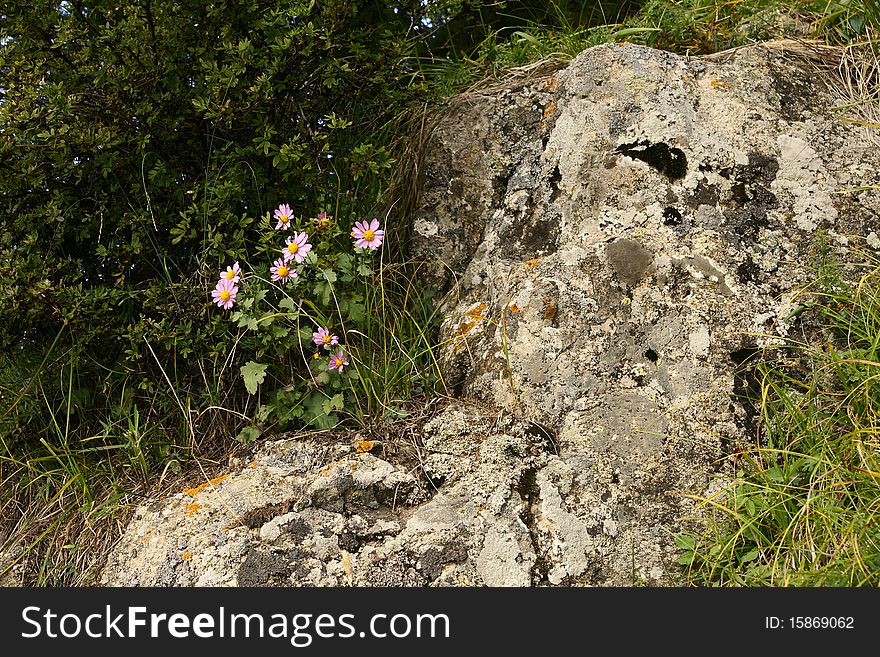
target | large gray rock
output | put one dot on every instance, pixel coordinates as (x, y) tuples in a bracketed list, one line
[(613, 240)]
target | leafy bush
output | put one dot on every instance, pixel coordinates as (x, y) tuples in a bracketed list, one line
[(139, 143)]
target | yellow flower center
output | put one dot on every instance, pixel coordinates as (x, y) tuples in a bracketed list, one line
[(339, 362), (316, 356), (293, 247), (284, 218), (225, 295), (325, 339), (369, 235), (283, 271), (230, 275)]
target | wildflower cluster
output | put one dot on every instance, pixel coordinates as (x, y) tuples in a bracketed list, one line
[(309, 271)]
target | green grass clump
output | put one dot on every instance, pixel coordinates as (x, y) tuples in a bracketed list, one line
[(804, 506)]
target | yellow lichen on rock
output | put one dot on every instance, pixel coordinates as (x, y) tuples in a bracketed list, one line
[(192, 492)]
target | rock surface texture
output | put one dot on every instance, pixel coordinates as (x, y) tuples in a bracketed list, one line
[(613, 240)]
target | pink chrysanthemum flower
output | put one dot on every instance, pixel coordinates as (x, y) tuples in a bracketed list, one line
[(283, 214), (367, 235), (224, 293), (323, 338), (323, 220), (282, 271), (296, 247), (232, 274), (337, 362)]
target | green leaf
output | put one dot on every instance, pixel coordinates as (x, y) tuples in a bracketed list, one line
[(323, 422), (329, 275), (336, 402), (344, 263), (248, 434), (324, 290), (629, 31), (288, 304), (264, 411), (751, 555), (356, 311), (685, 542), (775, 475), (253, 374)]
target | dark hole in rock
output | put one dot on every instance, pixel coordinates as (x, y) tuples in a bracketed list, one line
[(669, 161), (747, 388), (671, 217), (546, 435), (555, 177), (652, 355), (527, 486), (530, 492), (748, 272), (457, 386), (744, 355)]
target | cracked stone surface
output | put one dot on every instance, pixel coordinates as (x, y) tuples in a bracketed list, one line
[(612, 241), (305, 514), (616, 237)]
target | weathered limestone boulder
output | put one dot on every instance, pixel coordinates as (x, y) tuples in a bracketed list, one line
[(305, 512), (613, 240)]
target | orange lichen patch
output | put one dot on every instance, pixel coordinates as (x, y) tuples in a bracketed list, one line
[(253, 464), (477, 312), (549, 309), (192, 492), (464, 329), (329, 468), (187, 555), (552, 84), (192, 508), (719, 84), (550, 109), (531, 264), (362, 446), (514, 308)]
